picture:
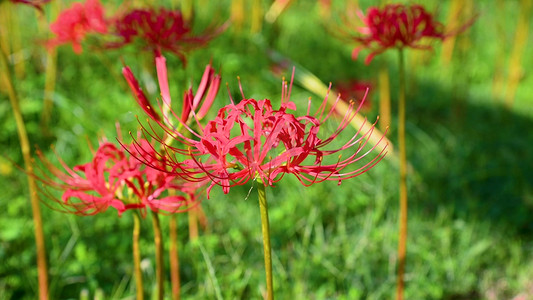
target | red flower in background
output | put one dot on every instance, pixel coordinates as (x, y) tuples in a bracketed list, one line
[(355, 90), (74, 23), (114, 179), (159, 30), (398, 26)]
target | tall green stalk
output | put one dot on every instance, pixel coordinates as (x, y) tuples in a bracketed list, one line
[(137, 256), (174, 258), (263, 207), (402, 241), (42, 271), (158, 242)]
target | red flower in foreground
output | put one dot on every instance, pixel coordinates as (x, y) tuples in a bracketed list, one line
[(159, 30), (74, 23), (115, 179), (398, 26), (251, 140), (194, 104)]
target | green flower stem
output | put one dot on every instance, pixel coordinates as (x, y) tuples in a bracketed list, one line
[(174, 258), (42, 271), (158, 242), (137, 256), (193, 223), (263, 206), (49, 86), (402, 241), (50, 71)]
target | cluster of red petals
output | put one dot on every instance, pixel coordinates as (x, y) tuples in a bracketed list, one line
[(396, 26), (195, 104), (74, 23), (159, 30), (113, 179), (251, 140), (38, 4)]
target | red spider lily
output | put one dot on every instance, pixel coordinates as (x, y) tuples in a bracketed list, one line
[(114, 179), (251, 140), (398, 26), (159, 30), (74, 23), (195, 107), (355, 90), (38, 4), (194, 104)]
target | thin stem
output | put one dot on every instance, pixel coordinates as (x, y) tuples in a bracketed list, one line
[(263, 206), (158, 242), (402, 242), (193, 224), (49, 87), (384, 99), (42, 272), (50, 71), (174, 258), (137, 256), (519, 47)]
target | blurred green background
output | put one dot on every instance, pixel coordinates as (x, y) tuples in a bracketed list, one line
[(470, 189)]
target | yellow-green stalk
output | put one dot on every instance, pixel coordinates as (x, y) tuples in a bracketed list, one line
[(265, 228), (520, 42), (456, 6), (137, 257), (158, 242), (257, 16), (174, 258), (499, 60), (42, 270), (384, 99), (50, 72), (237, 14), (402, 238)]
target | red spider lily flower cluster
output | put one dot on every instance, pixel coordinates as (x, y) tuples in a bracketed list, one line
[(355, 90), (251, 140), (74, 23), (38, 4), (159, 30), (115, 179), (398, 26)]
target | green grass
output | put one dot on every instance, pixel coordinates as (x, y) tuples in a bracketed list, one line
[(470, 190)]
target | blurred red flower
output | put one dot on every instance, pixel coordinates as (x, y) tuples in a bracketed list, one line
[(159, 30), (398, 26), (355, 90), (74, 23)]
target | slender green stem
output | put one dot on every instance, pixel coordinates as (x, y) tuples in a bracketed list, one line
[(49, 87), (263, 206), (193, 224), (174, 258), (137, 256), (402, 242), (158, 242), (42, 271), (50, 71)]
